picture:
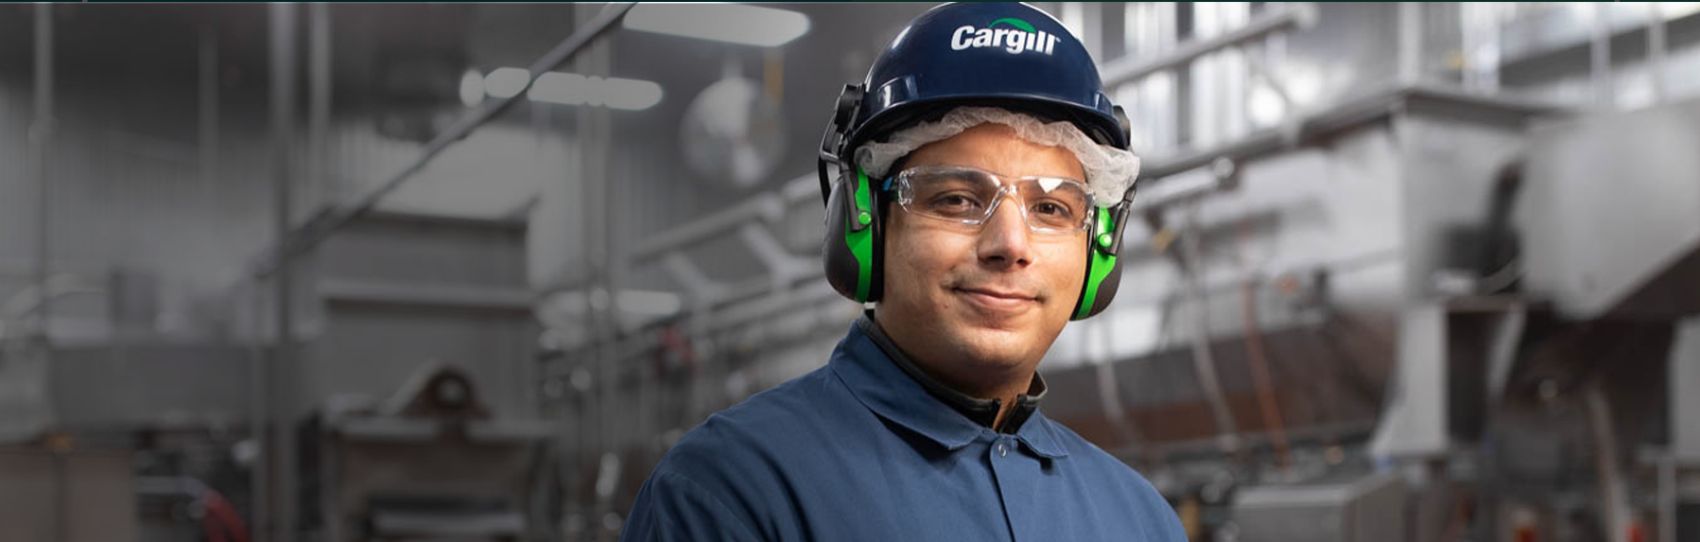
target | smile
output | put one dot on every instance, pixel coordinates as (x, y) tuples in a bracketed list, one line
[(996, 301)]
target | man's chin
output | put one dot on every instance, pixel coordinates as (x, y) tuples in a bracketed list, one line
[(973, 319), (991, 345)]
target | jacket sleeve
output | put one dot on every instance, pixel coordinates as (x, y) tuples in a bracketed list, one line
[(670, 507)]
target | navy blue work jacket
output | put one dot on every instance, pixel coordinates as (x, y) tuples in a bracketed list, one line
[(859, 450)]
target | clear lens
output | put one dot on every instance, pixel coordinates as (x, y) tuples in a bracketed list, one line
[(1055, 203), (970, 196), (956, 195)]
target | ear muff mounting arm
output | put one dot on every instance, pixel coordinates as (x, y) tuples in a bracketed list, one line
[(832, 141), (1120, 212)]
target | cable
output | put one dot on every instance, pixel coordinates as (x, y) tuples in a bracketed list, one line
[(1204, 364), (1258, 358)]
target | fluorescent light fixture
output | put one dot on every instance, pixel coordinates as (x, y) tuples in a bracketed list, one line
[(567, 89), (732, 23), (506, 82), (610, 92), (471, 88), (630, 94), (562, 88)]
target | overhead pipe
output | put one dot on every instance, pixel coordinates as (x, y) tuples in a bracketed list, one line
[(768, 206)]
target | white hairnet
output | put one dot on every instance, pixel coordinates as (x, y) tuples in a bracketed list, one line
[(1109, 170)]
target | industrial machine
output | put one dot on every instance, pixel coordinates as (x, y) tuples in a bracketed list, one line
[(429, 463)]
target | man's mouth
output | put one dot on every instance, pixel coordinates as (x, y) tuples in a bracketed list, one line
[(997, 300)]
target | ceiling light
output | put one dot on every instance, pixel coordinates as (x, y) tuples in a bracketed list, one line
[(611, 92), (562, 88), (471, 88), (506, 82), (630, 94), (732, 23), (567, 89)]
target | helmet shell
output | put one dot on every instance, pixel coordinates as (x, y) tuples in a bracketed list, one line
[(1008, 55)]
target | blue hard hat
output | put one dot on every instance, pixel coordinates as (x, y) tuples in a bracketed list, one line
[(1011, 56), (1008, 55)]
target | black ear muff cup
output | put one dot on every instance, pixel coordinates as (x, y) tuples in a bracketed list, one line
[(841, 265), (846, 269), (1106, 289)]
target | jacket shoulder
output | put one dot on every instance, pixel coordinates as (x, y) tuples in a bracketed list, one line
[(1159, 520), (737, 464), (757, 430)]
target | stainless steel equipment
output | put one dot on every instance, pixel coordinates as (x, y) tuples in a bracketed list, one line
[(1366, 509), (429, 463), (1611, 218)]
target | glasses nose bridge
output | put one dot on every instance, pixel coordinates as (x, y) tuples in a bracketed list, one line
[(1006, 190), (1011, 191)]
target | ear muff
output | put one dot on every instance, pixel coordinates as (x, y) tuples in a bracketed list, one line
[(853, 248), (1103, 267)]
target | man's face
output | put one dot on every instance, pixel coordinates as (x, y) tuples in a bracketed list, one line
[(977, 305)]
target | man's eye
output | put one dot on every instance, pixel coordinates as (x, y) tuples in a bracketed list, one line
[(1051, 208), (955, 203)]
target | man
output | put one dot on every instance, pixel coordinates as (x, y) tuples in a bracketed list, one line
[(981, 184)]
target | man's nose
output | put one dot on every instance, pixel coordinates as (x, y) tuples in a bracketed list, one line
[(1004, 241)]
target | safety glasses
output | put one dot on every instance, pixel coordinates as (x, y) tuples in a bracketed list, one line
[(1052, 206)]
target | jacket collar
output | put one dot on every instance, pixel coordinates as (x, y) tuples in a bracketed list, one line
[(887, 383)]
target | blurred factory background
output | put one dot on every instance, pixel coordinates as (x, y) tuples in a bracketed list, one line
[(1404, 272)]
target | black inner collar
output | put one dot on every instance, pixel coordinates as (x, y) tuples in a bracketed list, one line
[(982, 411)]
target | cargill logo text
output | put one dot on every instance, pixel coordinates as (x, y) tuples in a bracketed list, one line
[(1014, 35)]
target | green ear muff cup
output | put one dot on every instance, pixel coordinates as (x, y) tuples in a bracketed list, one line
[(851, 255), (1103, 264)]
